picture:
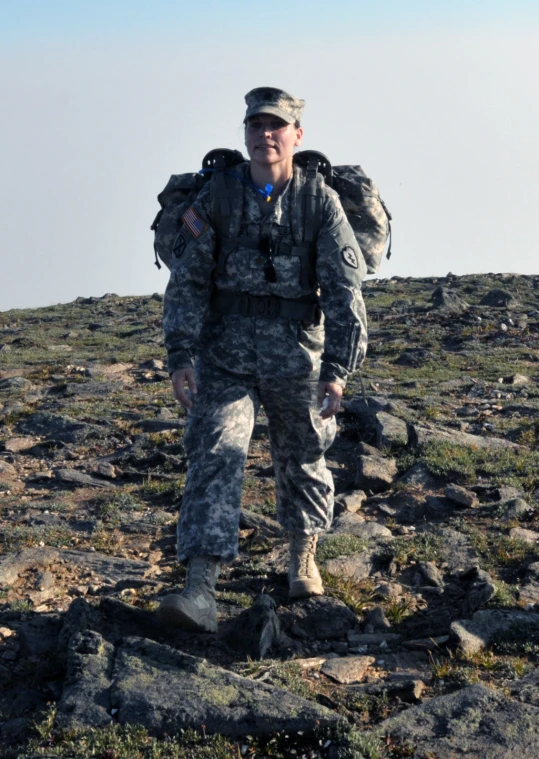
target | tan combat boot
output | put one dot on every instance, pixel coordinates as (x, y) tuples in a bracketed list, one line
[(303, 575), (195, 608)]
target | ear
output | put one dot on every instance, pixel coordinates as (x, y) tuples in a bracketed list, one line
[(299, 137)]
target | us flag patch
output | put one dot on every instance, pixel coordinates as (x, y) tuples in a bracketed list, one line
[(194, 223)]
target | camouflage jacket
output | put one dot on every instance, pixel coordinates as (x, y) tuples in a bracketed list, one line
[(256, 345)]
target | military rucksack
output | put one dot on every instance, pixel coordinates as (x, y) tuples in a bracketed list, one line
[(364, 208)]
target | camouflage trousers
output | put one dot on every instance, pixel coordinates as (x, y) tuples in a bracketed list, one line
[(217, 436)]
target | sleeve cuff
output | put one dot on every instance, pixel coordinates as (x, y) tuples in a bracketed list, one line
[(330, 372), (179, 360)]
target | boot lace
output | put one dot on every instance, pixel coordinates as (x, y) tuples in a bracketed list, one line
[(305, 550), (198, 574)]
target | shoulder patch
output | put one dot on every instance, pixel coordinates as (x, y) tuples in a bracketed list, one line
[(194, 223), (180, 243), (350, 257)]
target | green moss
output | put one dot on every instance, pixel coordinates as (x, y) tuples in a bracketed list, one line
[(339, 545)]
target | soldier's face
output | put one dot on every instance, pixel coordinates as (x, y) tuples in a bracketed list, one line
[(269, 139)]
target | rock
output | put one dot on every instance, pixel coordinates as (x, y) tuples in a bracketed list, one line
[(376, 621), (418, 435), (481, 589), (448, 300), (166, 691), (461, 496), (357, 567), (390, 430), (348, 669), (74, 477), (475, 721), (58, 427), (11, 384), (431, 574), (497, 298), (7, 471), (86, 698), (516, 379), (375, 473), (526, 690), (264, 526), (353, 524), (526, 536), (408, 690), (529, 592), (372, 639), (110, 570), (505, 493), (161, 425), (419, 476), (473, 635), (258, 628), (319, 617), (407, 507), (456, 550), (93, 389), (103, 469), (516, 508), (20, 444), (38, 635), (414, 357), (352, 502), (426, 644)]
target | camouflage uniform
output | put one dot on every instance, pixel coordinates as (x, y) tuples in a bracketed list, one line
[(243, 362)]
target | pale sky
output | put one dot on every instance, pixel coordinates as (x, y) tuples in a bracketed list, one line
[(102, 101)]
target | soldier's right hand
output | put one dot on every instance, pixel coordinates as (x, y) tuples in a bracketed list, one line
[(180, 378)]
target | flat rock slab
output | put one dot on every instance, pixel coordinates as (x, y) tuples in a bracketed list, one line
[(474, 722), (348, 669), (527, 689), (79, 479), (526, 536), (358, 566), (456, 550), (354, 524), (93, 389), (20, 444), (110, 570), (477, 633), (390, 430), (321, 618), (166, 691), (58, 427), (265, 526), (375, 473), (425, 435)]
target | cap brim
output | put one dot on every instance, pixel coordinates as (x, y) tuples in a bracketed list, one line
[(273, 110)]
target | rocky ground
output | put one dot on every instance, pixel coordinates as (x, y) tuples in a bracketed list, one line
[(427, 642)]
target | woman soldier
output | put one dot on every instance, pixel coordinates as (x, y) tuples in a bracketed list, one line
[(263, 307)]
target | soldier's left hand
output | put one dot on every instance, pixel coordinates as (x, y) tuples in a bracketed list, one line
[(333, 392)]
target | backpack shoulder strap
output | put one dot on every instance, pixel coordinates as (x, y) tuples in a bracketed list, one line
[(312, 168), (223, 191)]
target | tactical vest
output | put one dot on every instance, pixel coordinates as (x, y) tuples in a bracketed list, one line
[(365, 210)]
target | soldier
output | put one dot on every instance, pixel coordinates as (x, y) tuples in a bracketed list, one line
[(263, 307)]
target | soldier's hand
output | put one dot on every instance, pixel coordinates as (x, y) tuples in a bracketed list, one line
[(333, 392), (180, 378)]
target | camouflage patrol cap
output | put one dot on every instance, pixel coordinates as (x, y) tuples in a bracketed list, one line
[(274, 101)]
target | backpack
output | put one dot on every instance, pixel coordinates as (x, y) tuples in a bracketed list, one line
[(365, 210)]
